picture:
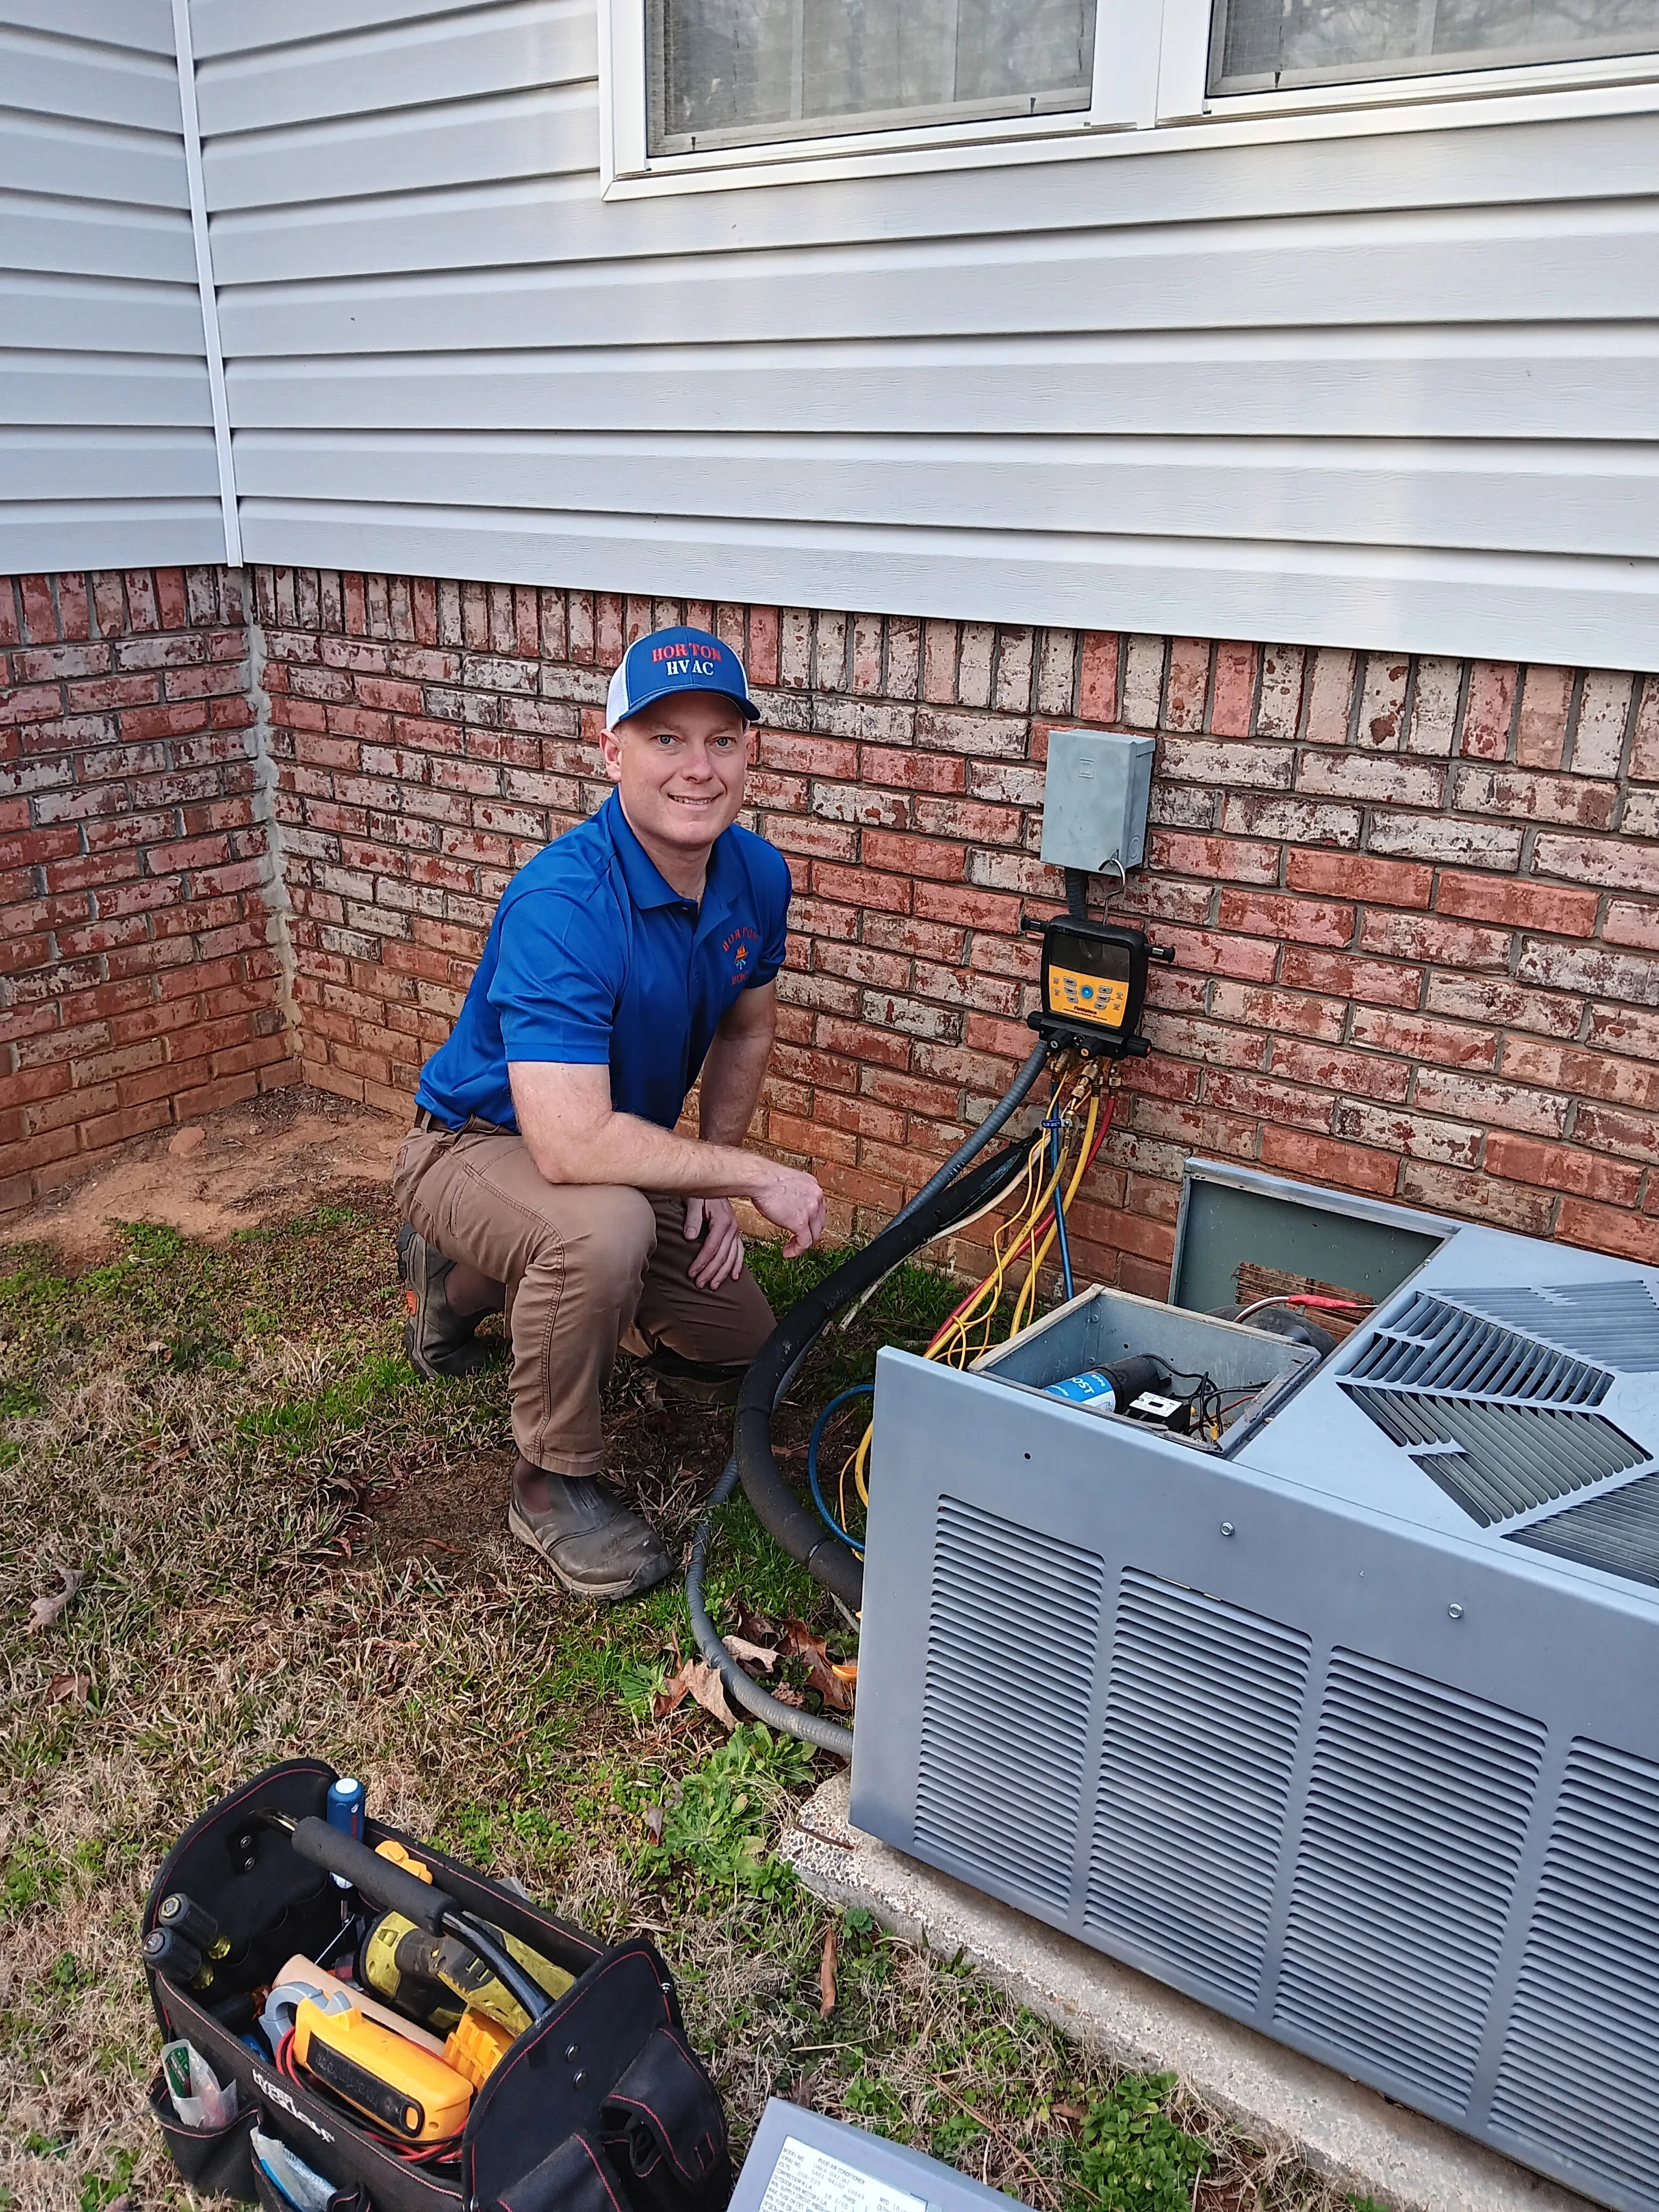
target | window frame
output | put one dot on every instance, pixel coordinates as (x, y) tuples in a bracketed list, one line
[(1149, 92)]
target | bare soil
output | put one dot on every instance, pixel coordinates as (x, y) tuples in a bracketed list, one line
[(265, 1161)]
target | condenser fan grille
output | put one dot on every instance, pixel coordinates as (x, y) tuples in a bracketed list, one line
[(1618, 1532), (1498, 1418)]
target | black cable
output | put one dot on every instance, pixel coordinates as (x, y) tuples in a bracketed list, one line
[(778, 1510)]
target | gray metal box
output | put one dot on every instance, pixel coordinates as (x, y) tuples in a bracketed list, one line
[(1350, 1729), (1095, 798)]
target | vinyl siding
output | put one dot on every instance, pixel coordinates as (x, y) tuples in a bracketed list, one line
[(106, 440)]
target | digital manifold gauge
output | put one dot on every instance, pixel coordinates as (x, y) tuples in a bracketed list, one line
[(1094, 986)]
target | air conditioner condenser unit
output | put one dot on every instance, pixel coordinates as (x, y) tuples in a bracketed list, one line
[(1347, 1725)]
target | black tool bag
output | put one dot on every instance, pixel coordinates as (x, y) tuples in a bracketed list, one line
[(601, 2106)]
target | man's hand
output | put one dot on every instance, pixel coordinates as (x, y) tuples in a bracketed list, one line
[(720, 1259), (792, 1200)]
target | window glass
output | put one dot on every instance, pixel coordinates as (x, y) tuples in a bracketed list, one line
[(1263, 44), (743, 72)]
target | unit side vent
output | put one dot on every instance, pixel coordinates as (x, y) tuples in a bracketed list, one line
[(1499, 1419), (1618, 1532), (1615, 1322), (1202, 1710), (1416, 1812), (1580, 2069), (999, 1788)]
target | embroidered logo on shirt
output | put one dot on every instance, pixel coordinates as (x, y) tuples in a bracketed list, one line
[(736, 946)]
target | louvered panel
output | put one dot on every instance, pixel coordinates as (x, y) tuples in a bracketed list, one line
[(1580, 2069), (1618, 1532), (1435, 1346), (1000, 1778), (1498, 1460), (1617, 1321), (1416, 1811), (1202, 1712)]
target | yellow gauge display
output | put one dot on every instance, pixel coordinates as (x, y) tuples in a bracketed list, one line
[(1088, 998)]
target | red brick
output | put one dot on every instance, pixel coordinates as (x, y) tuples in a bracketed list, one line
[(1375, 983), (1631, 921), (1517, 904), (1296, 921), (1326, 1160), (1426, 937), (1413, 1136), (1621, 863), (1330, 698), (30, 703), (1540, 738), (1363, 1074), (1511, 794), (1097, 692), (11, 627), (1223, 860), (1619, 1080), (1378, 883), (1257, 1095), (911, 771), (1188, 684), (1366, 776), (1563, 1168), (1489, 710), (1480, 1098), (1603, 1229), (40, 615), (1234, 695)]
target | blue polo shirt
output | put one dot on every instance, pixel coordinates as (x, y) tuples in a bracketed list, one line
[(593, 958)]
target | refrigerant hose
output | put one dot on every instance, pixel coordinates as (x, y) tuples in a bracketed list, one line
[(946, 1198)]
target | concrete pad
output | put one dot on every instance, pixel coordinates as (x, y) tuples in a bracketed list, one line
[(1353, 2137)]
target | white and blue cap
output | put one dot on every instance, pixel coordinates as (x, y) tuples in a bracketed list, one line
[(671, 660)]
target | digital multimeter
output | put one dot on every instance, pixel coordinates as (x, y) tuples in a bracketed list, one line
[(1093, 985)]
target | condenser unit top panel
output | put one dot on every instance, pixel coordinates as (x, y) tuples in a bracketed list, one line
[(1508, 1393)]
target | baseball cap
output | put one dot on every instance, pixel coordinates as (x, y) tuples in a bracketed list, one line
[(671, 660)]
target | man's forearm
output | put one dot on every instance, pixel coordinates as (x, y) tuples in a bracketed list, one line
[(732, 1078), (623, 1148)]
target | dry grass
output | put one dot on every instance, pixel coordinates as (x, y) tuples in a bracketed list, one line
[(290, 1546)]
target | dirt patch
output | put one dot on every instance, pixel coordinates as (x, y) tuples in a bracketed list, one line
[(265, 1161), (455, 1510)]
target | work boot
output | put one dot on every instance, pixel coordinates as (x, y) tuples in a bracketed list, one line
[(595, 1547), (694, 1382), (438, 1340)]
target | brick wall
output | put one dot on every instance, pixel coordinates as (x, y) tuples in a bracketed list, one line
[(1415, 902), (139, 985)]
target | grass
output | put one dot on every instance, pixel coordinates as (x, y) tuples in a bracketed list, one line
[(289, 1545)]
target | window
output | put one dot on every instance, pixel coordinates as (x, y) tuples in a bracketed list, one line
[(1277, 44), (704, 95), (752, 72)]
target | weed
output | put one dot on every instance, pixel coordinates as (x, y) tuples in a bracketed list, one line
[(1133, 2158), (718, 1819)]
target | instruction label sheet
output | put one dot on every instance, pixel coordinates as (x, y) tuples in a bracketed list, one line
[(808, 2180)]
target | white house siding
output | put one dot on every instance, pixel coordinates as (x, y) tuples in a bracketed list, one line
[(106, 450)]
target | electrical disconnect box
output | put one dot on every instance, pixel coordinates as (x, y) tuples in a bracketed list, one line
[(1095, 800)]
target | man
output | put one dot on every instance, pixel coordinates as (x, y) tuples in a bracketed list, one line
[(544, 1175)]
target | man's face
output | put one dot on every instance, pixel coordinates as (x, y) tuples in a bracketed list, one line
[(679, 766)]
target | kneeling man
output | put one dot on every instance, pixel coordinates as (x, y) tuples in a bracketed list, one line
[(544, 1175)]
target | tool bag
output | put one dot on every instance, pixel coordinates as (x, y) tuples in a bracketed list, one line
[(599, 2106)]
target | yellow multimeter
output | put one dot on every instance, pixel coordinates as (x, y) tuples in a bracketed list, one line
[(1093, 985)]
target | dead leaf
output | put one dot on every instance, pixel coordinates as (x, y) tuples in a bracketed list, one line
[(157, 1350), (696, 1679), (66, 1688), (785, 1696), (764, 1654), (46, 1610), (653, 1822), (800, 1643), (827, 1972), (709, 1691), (1068, 2112), (754, 1625)]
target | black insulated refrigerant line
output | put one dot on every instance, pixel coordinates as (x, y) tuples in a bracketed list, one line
[(958, 1189)]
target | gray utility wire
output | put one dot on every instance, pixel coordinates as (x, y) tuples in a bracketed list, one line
[(790, 1720)]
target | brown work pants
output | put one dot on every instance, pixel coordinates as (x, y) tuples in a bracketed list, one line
[(589, 1269)]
